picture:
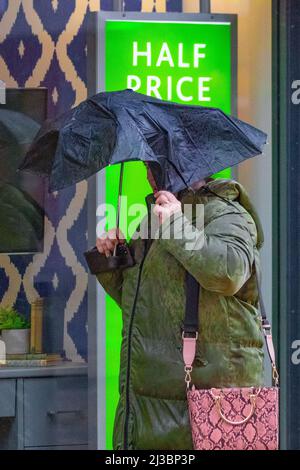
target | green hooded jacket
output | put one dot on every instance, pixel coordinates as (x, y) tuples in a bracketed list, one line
[(152, 409)]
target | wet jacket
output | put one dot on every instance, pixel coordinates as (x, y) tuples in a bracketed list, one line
[(152, 409)]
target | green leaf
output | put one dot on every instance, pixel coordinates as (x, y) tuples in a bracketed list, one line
[(10, 319)]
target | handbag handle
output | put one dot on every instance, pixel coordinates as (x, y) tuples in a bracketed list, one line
[(218, 403), (191, 326)]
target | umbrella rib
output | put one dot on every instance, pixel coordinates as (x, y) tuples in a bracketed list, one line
[(139, 131), (196, 148), (246, 139), (119, 199)]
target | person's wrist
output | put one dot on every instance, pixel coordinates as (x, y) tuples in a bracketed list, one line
[(168, 224)]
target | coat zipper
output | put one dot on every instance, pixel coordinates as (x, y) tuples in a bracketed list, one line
[(147, 244), (126, 422)]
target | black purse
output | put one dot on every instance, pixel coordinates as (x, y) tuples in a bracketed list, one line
[(99, 262)]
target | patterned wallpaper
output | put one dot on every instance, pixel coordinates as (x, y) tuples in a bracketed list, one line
[(43, 43)]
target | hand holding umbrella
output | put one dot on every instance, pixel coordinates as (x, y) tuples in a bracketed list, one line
[(106, 243), (166, 204)]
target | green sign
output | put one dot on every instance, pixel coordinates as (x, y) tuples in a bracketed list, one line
[(186, 62)]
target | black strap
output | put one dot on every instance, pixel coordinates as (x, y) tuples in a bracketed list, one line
[(193, 289), (191, 319), (193, 292)]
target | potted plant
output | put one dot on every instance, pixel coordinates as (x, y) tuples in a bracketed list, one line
[(15, 329)]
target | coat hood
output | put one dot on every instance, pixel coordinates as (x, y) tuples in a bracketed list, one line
[(233, 191)]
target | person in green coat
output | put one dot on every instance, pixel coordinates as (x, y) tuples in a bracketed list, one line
[(152, 410)]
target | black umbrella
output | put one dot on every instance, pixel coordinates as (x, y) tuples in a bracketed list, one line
[(183, 144), (187, 143)]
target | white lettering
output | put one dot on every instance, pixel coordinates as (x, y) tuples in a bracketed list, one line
[(107, 212), (137, 53), (296, 94), (296, 354), (202, 89), (197, 54), (133, 82), (165, 56), (169, 88), (153, 83), (180, 57), (179, 90)]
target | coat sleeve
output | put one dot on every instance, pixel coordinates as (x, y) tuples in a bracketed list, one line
[(220, 256), (112, 283)]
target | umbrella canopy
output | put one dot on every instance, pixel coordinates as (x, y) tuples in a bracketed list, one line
[(183, 143)]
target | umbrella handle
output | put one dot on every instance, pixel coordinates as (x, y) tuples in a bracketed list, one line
[(119, 198), (119, 208), (116, 244), (115, 249)]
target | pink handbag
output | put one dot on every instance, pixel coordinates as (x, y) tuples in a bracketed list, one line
[(229, 418)]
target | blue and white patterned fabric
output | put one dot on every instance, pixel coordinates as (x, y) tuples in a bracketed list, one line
[(44, 44)]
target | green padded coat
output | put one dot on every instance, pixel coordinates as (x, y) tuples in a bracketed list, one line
[(152, 409)]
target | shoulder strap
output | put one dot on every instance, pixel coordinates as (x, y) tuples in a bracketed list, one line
[(191, 326), (266, 326)]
